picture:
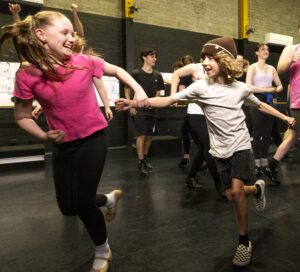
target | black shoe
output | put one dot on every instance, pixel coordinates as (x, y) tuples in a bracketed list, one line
[(192, 183), (259, 173), (148, 164), (142, 167), (203, 167), (184, 162), (272, 175)]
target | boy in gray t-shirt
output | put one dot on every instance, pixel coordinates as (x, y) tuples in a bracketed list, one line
[(221, 97)]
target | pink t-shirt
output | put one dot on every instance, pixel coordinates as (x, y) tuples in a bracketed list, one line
[(69, 105), (295, 82)]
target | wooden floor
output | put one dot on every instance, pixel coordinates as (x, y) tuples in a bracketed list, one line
[(161, 225)]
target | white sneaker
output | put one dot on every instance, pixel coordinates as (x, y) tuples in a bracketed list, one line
[(260, 202), (242, 256)]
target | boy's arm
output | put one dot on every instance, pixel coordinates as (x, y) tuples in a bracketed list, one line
[(161, 102), (265, 108), (153, 102)]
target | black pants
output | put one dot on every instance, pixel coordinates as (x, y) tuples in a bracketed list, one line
[(185, 136), (77, 169), (262, 129), (200, 136)]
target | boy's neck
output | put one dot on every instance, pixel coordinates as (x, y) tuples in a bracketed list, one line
[(147, 68), (219, 80)]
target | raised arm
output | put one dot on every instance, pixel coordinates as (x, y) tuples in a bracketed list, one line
[(188, 70), (15, 10), (77, 23), (285, 59)]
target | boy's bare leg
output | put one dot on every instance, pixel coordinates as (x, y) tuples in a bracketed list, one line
[(237, 196)]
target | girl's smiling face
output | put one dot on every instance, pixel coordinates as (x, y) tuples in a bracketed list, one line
[(58, 37), (263, 52)]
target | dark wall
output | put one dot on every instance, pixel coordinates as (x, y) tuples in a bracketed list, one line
[(106, 36)]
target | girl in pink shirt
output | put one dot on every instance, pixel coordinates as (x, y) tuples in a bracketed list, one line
[(289, 61), (62, 82)]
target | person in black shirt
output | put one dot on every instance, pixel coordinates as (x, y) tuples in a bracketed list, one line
[(144, 118)]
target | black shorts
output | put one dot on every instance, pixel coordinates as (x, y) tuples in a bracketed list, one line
[(237, 166), (144, 124)]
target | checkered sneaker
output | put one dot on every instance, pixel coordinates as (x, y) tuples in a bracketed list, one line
[(242, 256), (260, 202)]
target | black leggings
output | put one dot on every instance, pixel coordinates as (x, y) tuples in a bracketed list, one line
[(185, 135), (200, 136), (77, 169), (262, 129)]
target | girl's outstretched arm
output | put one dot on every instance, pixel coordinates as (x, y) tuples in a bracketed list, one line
[(121, 74)]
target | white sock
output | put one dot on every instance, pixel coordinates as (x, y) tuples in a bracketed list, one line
[(257, 163), (101, 251), (264, 162), (111, 200)]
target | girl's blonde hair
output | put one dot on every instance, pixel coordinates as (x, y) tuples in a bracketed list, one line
[(228, 66), (29, 47)]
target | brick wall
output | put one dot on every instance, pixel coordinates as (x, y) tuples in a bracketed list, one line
[(216, 17), (172, 31)]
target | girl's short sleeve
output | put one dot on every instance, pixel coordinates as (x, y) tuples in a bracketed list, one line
[(98, 66), (22, 88)]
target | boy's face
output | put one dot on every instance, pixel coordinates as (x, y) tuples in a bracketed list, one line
[(211, 66), (150, 60), (240, 61)]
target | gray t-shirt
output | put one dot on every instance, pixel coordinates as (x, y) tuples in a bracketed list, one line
[(222, 107)]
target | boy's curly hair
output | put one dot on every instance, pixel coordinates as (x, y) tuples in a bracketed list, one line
[(228, 66)]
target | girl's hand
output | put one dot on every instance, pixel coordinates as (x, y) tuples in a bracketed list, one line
[(56, 136), (108, 113), (142, 100), (122, 104), (132, 111), (295, 57), (290, 121), (14, 8), (37, 112), (74, 8)]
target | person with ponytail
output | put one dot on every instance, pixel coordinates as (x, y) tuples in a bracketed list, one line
[(62, 82)]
